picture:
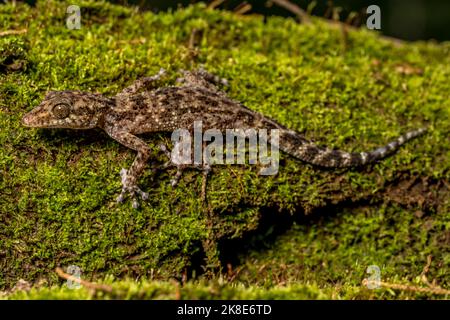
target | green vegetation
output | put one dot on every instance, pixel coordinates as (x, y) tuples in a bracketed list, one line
[(172, 290), (305, 233)]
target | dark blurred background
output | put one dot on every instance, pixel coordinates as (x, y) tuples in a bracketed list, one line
[(405, 19)]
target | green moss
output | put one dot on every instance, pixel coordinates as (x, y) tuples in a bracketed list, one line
[(58, 187), (128, 289), (336, 249)]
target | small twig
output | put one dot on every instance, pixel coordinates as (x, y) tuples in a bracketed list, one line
[(194, 38), (404, 287), (12, 32), (304, 17), (242, 8), (338, 24), (423, 275), (434, 289), (344, 39), (352, 16), (177, 289), (238, 180), (87, 284), (299, 12), (235, 274), (427, 266), (133, 41), (204, 182), (215, 4)]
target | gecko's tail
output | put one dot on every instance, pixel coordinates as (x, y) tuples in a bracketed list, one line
[(295, 145)]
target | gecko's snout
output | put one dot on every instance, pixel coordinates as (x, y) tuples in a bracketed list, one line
[(27, 120), (30, 119)]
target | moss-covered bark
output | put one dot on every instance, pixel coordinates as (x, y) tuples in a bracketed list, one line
[(353, 92)]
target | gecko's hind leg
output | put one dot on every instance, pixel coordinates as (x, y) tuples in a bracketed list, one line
[(205, 168)]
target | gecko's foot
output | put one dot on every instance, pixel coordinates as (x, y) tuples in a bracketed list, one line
[(205, 168), (201, 77), (131, 189), (212, 77), (155, 77), (169, 163)]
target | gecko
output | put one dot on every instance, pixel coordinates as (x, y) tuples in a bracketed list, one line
[(143, 107)]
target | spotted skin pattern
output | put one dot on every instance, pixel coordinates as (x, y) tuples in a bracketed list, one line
[(196, 97)]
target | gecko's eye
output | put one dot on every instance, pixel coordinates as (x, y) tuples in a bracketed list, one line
[(61, 110)]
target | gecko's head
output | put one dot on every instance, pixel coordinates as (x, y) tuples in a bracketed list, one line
[(67, 109)]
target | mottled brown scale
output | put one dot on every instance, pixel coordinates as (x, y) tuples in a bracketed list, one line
[(135, 111)]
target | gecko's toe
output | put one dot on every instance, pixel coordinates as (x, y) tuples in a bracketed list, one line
[(132, 193), (123, 176), (162, 147), (177, 177), (144, 195), (173, 182), (130, 189), (120, 198)]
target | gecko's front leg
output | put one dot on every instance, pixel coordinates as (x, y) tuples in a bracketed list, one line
[(131, 176)]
